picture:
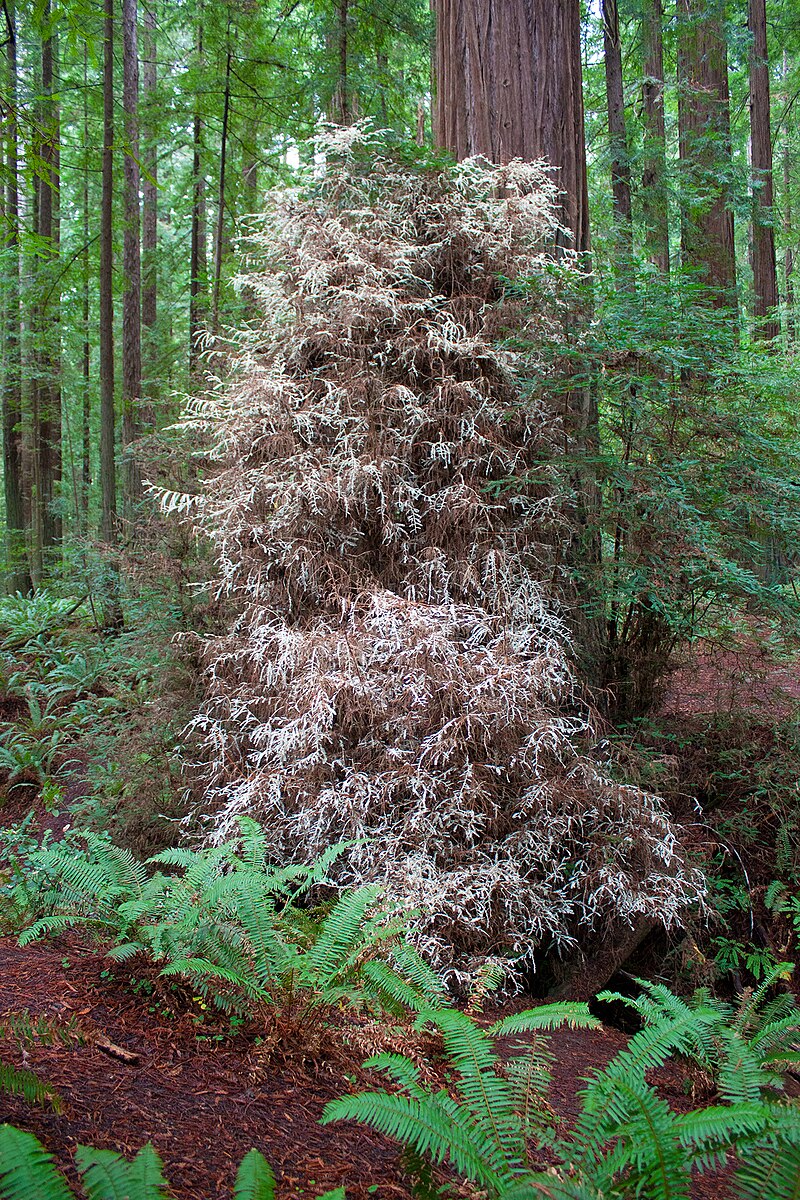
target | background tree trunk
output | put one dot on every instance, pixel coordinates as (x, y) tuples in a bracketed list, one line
[(705, 144), (617, 134), (132, 294), (19, 579), (508, 85), (149, 212), (198, 268), (108, 512), (48, 434), (223, 156), (654, 167), (765, 275)]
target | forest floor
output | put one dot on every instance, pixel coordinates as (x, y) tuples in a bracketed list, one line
[(205, 1102), (204, 1093)]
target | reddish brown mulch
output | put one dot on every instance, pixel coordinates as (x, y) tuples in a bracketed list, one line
[(204, 1105), (749, 678)]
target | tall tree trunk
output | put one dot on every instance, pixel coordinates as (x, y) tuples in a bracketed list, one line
[(150, 210), (49, 399), (341, 97), (132, 294), (765, 274), (223, 157), (618, 138), (705, 145), (508, 85), (108, 487), (788, 254), (19, 579), (86, 359), (654, 166), (198, 268)]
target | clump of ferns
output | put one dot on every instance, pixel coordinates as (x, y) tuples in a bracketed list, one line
[(746, 1048), (491, 1123), (396, 672), (226, 923), (27, 1172)]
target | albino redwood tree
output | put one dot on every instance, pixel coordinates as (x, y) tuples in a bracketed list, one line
[(395, 675)]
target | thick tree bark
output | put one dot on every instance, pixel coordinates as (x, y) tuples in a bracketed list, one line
[(149, 210), (340, 105), (617, 133), (705, 145), (654, 166), (132, 294), (198, 267), (48, 434), (765, 274), (508, 85), (223, 157), (108, 514), (19, 579)]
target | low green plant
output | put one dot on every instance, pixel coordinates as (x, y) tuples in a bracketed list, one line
[(746, 1047), (492, 1124), (27, 1172), (227, 922)]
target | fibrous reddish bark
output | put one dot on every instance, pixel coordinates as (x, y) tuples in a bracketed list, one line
[(707, 234), (765, 275), (654, 192), (508, 78)]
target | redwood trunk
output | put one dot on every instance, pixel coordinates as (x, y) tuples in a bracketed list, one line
[(198, 270), (150, 208), (13, 477), (132, 295), (765, 275), (108, 515), (654, 167), (48, 438), (617, 133), (705, 145), (508, 78)]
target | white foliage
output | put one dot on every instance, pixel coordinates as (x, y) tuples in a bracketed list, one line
[(396, 674)]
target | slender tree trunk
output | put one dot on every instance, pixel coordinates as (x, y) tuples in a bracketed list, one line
[(705, 145), (618, 138), (108, 512), (49, 403), (198, 269), (150, 212), (223, 156), (19, 579), (765, 274), (86, 360), (132, 295), (341, 111), (654, 166), (788, 233), (508, 85)]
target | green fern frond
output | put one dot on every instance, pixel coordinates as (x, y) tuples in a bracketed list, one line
[(551, 1186), (254, 1179), (573, 1014), (106, 1175), (769, 1173), (709, 1133), (18, 1082), (339, 935), (27, 1171), (400, 1069), (436, 1126)]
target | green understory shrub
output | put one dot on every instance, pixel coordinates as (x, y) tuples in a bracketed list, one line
[(228, 922), (492, 1125)]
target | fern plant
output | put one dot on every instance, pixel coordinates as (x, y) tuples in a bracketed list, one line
[(626, 1143), (746, 1048), (27, 1172), (231, 924)]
